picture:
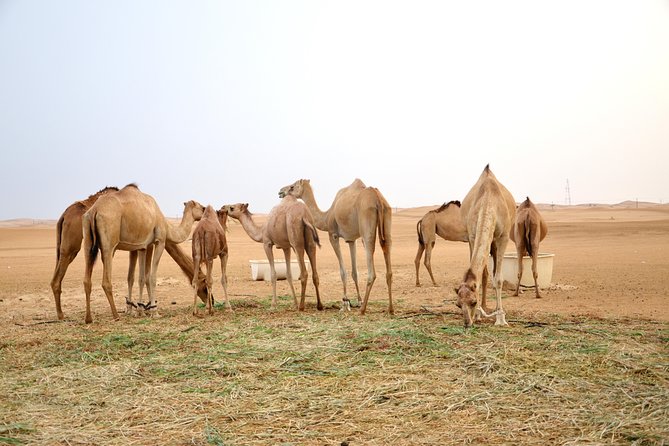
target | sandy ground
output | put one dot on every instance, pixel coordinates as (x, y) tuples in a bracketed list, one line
[(610, 262)]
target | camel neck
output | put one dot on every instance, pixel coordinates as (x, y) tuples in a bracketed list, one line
[(320, 217), (252, 229), (179, 234), (483, 239)]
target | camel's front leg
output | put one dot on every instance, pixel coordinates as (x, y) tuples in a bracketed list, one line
[(224, 279), (270, 258), (132, 264), (334, 241), (152, 307), (371, 274), (497, 283)]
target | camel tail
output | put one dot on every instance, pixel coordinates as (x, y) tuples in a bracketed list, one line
[(419, 231), (314, 233), (93, 234), (528, 236), (382, 211), (59, 236)]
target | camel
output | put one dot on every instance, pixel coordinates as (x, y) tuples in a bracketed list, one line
[(68, 244), (357, 211), (488, 212), (289, 225), (209, 242), (445, 222), (529, 229), (130, 220)]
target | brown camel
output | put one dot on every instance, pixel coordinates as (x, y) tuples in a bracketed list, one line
[(289, 225), (209, 242), (357, 211), (445, 222), (130, 220), (488, 212), (529, 229), (68, 244)]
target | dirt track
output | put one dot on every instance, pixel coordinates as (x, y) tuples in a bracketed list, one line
[(610, 262)]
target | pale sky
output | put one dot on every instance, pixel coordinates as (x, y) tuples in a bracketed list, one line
[(224, 101)]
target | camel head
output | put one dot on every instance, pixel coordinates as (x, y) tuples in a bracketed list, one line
[(468, 297), (194, 208), (222, 214), (235, 210), (296, 189)]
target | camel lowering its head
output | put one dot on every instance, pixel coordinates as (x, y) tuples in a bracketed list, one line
[(445, 222), (528, 230), (289, 225), (488, 212), (357, 212), (68, 244), (209, 242), (130, 220)]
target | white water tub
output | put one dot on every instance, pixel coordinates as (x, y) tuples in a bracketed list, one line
[(260, 269), (510, 270)]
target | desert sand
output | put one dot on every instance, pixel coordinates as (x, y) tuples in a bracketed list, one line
[(610, 262)]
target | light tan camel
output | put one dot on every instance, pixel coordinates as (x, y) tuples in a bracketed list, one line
[(488, 212), (357, 211), (445, 222), (68, 244), (289, 225), (130, 220), (209, 242), (529, 229)]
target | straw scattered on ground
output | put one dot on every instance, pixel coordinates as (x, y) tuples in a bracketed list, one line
[(261, 378)]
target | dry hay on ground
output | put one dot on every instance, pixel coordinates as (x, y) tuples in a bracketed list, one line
[(257, 378)]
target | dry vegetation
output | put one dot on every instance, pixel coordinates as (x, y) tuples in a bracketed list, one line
[(255, 377)]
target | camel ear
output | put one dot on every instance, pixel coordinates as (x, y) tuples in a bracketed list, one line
[(456, 290), (245, 206)]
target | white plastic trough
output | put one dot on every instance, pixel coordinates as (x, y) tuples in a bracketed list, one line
[(510, 270), (260, 269)]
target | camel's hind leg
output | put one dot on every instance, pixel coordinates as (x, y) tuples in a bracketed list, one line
[(416, 262), (334, 241), (107, 259), (304, 277), (64, 260), (428, 261), (385, 247), (289, 277), (224, 278), (195, 281), (354, 267), (210, 266), (311, 253), (534, 271)]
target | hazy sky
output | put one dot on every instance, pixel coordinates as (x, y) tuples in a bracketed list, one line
[(225, 101)]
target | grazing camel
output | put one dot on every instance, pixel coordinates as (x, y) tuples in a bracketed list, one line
[(209, 242), (529, 229), (357, 211), (445, 222), (488, 212), (130, 220), (68, 244), (289, 225)]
